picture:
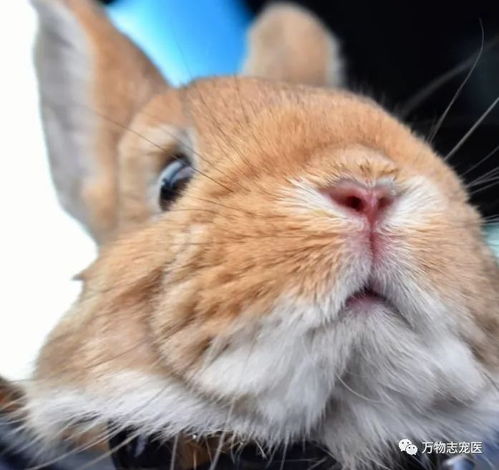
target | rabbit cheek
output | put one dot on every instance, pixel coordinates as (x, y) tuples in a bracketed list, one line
[(260, 358)]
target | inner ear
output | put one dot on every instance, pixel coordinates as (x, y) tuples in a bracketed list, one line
[(92, 80)]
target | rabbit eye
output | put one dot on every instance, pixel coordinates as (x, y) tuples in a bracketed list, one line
[(173, 180)]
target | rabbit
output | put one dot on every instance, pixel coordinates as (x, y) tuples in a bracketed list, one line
[(279, 259)]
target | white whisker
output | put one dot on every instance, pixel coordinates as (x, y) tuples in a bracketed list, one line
[(472, 129)]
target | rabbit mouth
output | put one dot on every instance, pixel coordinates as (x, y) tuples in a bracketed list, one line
[(366, 297)]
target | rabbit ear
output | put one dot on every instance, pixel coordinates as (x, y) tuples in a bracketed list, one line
[(289, 43), (92, 82)]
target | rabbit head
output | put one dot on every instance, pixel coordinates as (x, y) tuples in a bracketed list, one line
[(279, 259)]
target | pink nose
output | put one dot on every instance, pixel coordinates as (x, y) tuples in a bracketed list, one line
[(369, 202)]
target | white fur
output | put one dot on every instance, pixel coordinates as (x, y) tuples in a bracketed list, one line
[(368, 376)]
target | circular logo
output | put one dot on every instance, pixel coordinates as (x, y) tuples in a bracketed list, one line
[(406, 445)]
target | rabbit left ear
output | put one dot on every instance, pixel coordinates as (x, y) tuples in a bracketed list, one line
[(93, 81), (289, 43)]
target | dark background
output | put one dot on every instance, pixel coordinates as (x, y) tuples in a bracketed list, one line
[(394, 49)]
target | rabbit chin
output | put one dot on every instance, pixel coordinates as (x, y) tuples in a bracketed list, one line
[(359, 384)]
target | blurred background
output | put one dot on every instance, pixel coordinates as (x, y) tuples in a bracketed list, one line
[(411, 56)]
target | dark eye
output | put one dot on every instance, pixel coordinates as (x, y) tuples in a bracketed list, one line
[(173, 180)]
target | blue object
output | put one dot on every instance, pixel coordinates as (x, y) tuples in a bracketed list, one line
[(186, 39)]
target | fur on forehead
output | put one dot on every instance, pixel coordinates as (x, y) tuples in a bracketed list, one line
[(250, 118)]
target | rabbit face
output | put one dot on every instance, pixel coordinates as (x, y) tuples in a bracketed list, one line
[(284, 261), (260, 302)]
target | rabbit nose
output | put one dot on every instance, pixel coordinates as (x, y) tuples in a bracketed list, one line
[(362, 200)]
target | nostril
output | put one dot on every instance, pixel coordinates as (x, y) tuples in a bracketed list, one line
[(370, 202), (384, 202), (354, 202)]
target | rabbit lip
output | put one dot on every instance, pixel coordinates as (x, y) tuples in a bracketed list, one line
[(367, 296)]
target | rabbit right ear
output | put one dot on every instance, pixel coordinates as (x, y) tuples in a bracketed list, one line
[(289, 43), (92, 81)]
